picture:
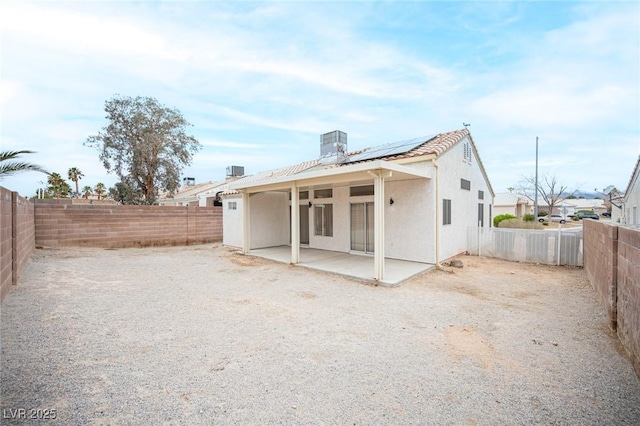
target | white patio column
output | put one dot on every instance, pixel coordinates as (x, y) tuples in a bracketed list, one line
[(378, 225), (295, 225), (246, 223)]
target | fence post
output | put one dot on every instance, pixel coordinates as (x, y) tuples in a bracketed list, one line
[(479, 244), (559, 236), (14, 237)]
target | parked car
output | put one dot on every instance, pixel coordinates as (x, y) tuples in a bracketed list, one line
[(552, 218), (606, 214), (583, 215)]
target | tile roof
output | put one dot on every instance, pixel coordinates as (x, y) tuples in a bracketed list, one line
[(187, 191), (432, 145)]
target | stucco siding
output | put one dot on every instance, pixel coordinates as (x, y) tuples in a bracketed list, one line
[(464, 203), (232, 223), (269, 217), (632, 204), (409, 230)]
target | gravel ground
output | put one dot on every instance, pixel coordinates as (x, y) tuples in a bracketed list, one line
[(204, 335)]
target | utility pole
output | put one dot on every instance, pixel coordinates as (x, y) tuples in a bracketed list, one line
[(535, 199)]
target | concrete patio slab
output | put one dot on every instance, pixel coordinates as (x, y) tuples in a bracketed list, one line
[(359, 266)]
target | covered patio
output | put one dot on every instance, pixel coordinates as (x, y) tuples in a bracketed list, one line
[(351, 265), (375, 266)]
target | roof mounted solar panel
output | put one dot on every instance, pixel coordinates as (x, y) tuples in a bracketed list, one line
[(393, 148)]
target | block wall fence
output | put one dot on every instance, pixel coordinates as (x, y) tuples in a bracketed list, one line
[(59, 223), (612, 264), (17, 237), (110, 226)]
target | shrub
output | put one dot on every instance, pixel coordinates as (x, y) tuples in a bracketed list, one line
[(528, 218), (519, 224), (501, 217)]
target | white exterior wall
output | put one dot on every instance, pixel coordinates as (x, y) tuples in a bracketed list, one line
[(631, 205), (409, 230), (411, 215), (464, 203), (269, 219), (232, 221), (498, 210)]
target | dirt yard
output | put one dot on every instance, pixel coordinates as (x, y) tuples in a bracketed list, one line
[(204, 335)]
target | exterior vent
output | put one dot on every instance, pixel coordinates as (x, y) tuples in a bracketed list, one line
[(235, 171), (188, 181), (333, 145)]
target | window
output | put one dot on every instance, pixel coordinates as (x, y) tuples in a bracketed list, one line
[(480, 195), (323, 215), (357, 191), (465, 184), (446, 212), (233, 205), (302, 195), (481, 215), (323, 193)]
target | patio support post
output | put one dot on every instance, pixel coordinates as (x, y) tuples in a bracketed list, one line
[(378, 225), (295, 225), (246, 223)]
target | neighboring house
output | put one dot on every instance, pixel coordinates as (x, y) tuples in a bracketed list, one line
[(190, 195), (413, 200), (569, 206), (627, 212), (508, 203), (205, 194)]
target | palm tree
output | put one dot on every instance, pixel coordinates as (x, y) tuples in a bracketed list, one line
[(87, 191), (9, 167), (58, 187), (100, 189), (74, 176)]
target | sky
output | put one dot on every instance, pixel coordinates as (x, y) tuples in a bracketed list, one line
[(261, 81)]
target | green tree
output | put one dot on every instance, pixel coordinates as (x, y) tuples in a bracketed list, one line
[(87, 191), (125, 193), (100, 189), (9, 166), (145, 144), (58, 187), (74, 176)]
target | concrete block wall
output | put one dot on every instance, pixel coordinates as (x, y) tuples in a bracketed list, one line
[(628, 278), (17, 237), (612, 263), (65, 224), (601, 262)]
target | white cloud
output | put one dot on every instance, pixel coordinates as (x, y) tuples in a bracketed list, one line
[(261, 78)]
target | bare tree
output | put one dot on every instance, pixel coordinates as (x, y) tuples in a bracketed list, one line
[(549, 190)]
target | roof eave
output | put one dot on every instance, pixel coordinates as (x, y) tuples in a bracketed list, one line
[(332, 175)]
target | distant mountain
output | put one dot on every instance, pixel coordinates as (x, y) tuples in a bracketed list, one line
[(584, 194)]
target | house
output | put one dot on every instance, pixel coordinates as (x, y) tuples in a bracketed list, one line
[(508, 203), (413, 200), (624, 209), (204, 194), (570, 206), (188, 194)]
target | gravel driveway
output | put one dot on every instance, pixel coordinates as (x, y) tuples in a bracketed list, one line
[(203, 335)]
